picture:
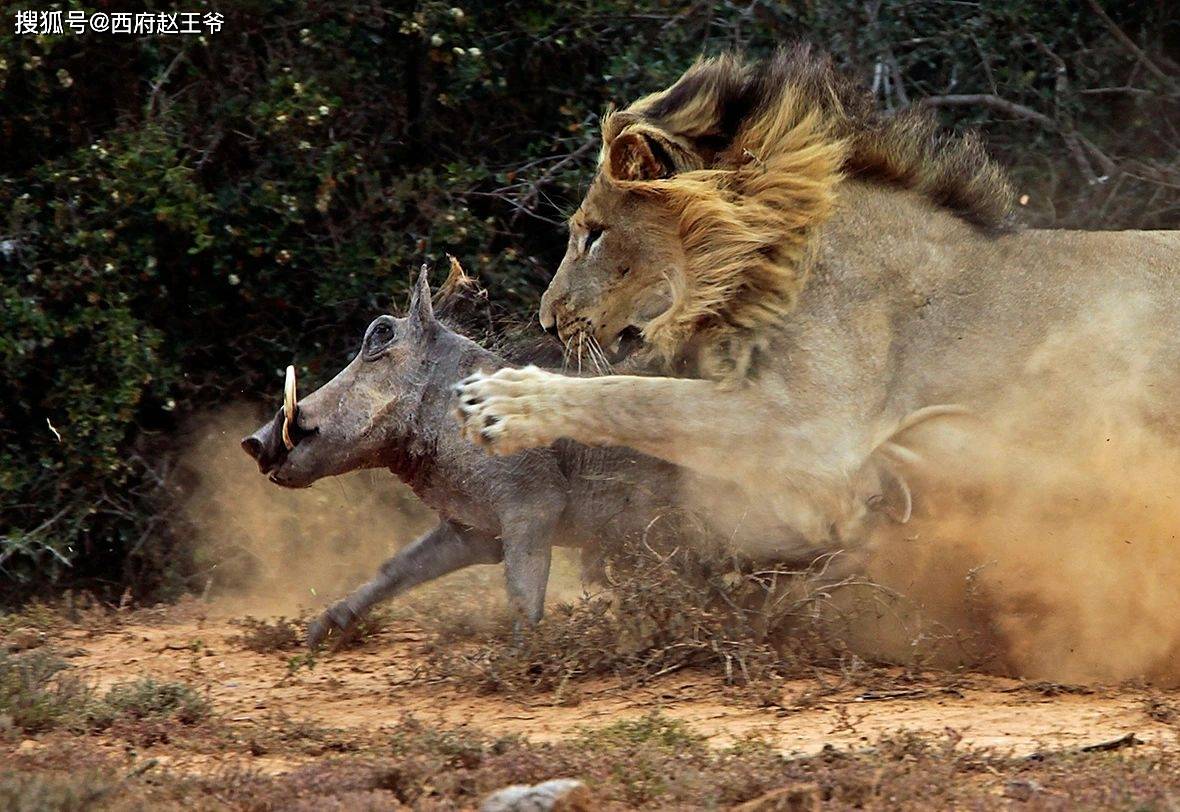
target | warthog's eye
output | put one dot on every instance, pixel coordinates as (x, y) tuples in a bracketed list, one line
[(591, 237), (380, 334)]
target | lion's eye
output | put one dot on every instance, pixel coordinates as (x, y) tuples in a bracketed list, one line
[(591, 237)]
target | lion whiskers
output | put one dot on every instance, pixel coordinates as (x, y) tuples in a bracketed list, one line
[(597, 356), (587, 345)]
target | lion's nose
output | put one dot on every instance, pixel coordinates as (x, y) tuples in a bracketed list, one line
[(551, 302)]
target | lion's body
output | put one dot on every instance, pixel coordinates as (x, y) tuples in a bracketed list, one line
[(931, 311), (903, 297)]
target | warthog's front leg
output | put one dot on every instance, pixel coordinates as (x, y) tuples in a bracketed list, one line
[(528, 549), (444, 549)]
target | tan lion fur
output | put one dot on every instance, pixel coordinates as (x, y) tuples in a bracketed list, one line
[(747, 158), (814, 275)]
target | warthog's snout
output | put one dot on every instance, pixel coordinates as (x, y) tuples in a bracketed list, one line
[(266, 446), (270, 445), (273, 444)]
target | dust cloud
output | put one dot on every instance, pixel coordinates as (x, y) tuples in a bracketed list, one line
[(270, 551), (1056, 557), (266, 550)]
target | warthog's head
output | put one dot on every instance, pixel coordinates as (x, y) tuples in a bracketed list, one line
[(362, 417)]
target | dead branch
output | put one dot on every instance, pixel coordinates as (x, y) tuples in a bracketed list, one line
[(1129, 43), (1125, 90), (160, 81), (995, 103), (1081, 148)]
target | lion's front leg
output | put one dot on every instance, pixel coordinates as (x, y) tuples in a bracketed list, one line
[(511, 409), (800, 465), (679, 420)]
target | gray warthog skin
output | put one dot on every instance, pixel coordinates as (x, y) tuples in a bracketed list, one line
[(391, 407)]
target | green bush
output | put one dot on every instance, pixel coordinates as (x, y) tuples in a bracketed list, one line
[(184, 216), (148, 699), (38, 693), (35, 694)]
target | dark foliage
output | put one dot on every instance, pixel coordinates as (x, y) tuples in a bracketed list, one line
[(182, 216)]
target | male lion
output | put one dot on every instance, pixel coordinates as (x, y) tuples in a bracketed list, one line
[(813, 279)]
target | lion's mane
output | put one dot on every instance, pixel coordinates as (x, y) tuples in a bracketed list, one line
[(756, 151)]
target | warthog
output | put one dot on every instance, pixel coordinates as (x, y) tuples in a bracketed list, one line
[(392, 406)]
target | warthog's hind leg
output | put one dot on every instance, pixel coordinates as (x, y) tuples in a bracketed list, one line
[(444, 549)]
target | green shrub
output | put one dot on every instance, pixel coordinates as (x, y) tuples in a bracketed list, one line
[(182, 217), (38, 694), (35, 694), (149, 699)]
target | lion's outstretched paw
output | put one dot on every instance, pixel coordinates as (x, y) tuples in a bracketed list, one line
[(503, 412)]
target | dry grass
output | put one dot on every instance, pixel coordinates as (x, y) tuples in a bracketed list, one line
[(659, 612), (262, 636), (38, 693), (649, 763)]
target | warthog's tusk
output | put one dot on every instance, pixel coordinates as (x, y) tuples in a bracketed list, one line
[(289, 401)]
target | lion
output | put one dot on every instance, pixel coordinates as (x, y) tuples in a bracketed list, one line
[(791, 284)]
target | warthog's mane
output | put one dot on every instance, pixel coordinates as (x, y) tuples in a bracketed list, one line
[(463, 305)]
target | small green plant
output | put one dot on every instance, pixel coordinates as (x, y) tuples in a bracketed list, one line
[(653, 730), (35, 692), (148, 699), (298, 661), (264, 636)]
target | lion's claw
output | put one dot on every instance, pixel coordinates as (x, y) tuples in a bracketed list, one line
[(503, 411)]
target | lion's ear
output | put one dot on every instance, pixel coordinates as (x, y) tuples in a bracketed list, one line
[(635, 155)]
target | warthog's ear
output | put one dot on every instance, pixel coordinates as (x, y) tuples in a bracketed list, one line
[(421, 310)]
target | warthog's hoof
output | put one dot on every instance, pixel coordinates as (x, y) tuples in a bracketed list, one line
[(337, 620)]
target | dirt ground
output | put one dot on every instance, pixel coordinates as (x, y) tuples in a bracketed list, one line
[(364, 691), (354, 701)]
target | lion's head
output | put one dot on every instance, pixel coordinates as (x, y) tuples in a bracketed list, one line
[(694, 233)]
